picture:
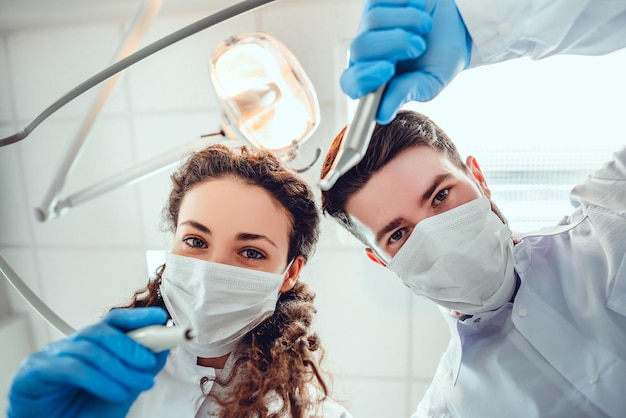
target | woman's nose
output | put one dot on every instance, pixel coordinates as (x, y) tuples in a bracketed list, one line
[(219, 257)]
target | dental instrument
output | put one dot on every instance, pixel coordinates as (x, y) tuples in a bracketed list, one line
[(161, 337), (356, 140)]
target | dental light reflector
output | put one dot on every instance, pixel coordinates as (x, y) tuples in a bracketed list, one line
[(267, 98)]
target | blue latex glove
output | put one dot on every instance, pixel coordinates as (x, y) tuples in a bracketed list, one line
[(97, 372), (387, 50)]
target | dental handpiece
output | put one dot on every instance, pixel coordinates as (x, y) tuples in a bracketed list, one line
[(356, 139), (161, 337)]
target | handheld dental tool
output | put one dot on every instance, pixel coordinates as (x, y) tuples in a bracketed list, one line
[(356, 140), (161, 337)]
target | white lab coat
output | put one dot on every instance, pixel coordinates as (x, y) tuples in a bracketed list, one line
[(559, 350), (178, 391), (506, 29)]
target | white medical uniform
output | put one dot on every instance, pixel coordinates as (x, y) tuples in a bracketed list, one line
[(559, 350), (505, 29), (178, 391)]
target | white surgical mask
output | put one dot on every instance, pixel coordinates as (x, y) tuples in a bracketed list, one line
[(221, 303), (461, 259)]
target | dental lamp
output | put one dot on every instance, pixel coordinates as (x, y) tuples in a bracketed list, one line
[(267, 102), (265, 93)]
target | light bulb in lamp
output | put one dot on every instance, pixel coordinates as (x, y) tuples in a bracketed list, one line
[(267, 98)]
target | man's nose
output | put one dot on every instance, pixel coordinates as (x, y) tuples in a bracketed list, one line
[(418, 215)]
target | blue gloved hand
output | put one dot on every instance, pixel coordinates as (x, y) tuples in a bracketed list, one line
[(387, 50), (97, 372)]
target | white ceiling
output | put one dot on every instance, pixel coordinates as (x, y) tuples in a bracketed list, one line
[(16, 14)]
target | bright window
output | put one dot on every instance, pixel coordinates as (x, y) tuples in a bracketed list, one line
[(537, 128)]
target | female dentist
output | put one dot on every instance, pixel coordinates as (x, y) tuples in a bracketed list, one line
[(244, 226)]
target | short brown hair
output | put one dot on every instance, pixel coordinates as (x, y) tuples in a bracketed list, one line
[(408, 129)]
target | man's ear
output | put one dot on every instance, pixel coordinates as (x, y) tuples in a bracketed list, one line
[(472, 163), (292, 274), (372, 256)]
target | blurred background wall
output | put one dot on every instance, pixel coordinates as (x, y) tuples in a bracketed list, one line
[(536, 128)]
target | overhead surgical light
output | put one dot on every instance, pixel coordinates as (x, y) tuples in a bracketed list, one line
[(267, 101), (264, 92)]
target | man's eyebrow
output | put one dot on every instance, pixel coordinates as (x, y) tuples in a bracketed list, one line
[(247, 236), (437, 180), (388, 228)]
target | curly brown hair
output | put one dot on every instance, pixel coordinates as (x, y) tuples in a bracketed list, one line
[(281, 356)]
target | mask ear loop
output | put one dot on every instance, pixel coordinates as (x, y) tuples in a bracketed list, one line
[(384, 258), (286, 270), (286, 278)]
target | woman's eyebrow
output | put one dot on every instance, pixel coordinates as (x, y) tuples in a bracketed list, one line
[(197, 225), (243, 236), (247, 236)]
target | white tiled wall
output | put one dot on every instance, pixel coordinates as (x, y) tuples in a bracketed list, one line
[(6, 111), (45, 63), (382, 342), (12, 329)]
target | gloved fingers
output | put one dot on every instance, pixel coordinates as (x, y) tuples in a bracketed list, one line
[(410, 19), (92, 368), (118, 345), (390, 45), (370, 4), (363, 78), (129, 319), (42, 376), (161, 358), (449, 39), (419, 86)]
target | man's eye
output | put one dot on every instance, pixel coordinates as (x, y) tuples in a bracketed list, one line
[(195, 242), (397, 236), (440, 197), (252, 254)]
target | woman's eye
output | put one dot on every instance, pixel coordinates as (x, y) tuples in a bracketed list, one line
[(195, 242), (441, 196), (252, 253)]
